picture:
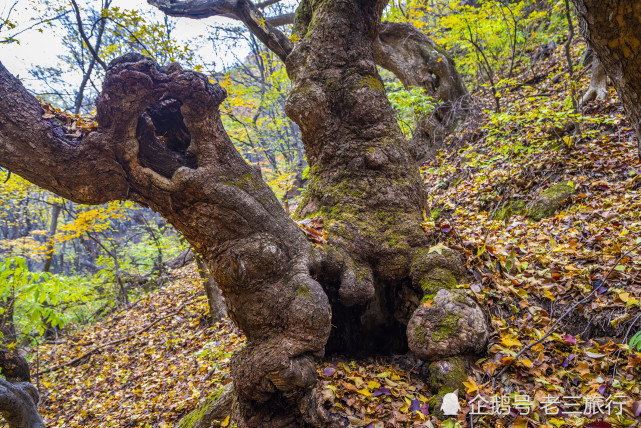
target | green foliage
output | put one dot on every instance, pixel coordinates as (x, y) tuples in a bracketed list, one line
[(131, 30), (635, 342), (535, 119), (409, 103), (489, 38), (37, 297)]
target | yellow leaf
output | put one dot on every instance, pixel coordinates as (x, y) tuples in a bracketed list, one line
[(225, 423), (372, 384), (527, 363), (510, 341), (470, 386), (519, 423), (364, 392)]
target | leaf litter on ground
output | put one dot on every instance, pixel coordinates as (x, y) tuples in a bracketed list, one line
[(526, 273)]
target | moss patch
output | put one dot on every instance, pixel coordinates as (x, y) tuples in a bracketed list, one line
[(508, 210), (372, 82), (437, 279), (419, 332), (427, 297), (549, 201), (193, 419), (446, 327), (303, 290), (447, 375)]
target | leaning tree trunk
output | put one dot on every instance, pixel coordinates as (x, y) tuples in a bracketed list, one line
[(359, 293), (612, 28)]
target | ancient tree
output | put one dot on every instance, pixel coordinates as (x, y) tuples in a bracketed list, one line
[(377, 285), (612, 28)]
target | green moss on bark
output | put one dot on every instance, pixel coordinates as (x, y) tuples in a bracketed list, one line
[(372, 82), (303, 290), (446, 327), (447, 375), (419, 331), (192, 420), (438, 279)]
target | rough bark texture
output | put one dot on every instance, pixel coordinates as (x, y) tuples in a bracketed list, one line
[(195, 178), (364, 182), (19, 404), (400, 48), (417, 61), (598, 82), (160, 142), (217, 308), (612, 28)]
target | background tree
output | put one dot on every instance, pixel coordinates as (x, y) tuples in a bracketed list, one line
[(612, 30)]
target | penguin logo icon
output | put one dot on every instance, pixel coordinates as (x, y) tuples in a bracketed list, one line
[(451, 406)]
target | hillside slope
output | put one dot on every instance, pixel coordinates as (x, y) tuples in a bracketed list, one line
[(544, 202)]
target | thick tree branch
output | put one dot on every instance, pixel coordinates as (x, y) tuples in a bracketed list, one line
[(416, 60), (160, 142), (243, 10), (36, 146)]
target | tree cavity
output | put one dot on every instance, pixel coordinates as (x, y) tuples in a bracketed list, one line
[(164, 139)]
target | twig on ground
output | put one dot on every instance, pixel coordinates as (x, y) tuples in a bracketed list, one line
[(114, 342), (569, 311)]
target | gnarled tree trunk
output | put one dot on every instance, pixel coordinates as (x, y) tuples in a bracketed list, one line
[(361, 292), (612, 28)]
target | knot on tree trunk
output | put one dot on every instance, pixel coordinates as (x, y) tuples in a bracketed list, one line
[(19, 404), (157, 113)]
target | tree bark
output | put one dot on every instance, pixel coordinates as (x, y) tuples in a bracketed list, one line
[(361, 292), (19, 404), (613, 31), (598, 80), (400, 48), (217, 308)]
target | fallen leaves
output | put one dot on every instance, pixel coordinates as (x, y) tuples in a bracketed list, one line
[(151, 378)]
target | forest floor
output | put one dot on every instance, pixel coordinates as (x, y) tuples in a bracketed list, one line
[(527, 273)]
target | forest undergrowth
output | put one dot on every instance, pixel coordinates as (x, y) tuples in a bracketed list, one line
[(162, 356)]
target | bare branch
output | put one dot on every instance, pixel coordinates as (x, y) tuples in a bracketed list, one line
[(84, 36), (280, 20)]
